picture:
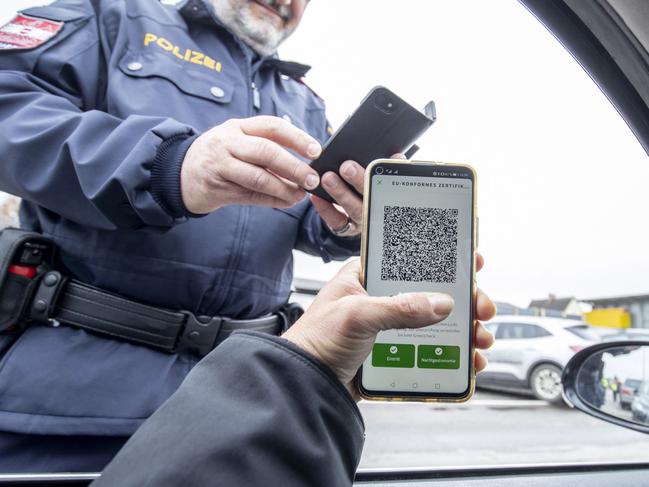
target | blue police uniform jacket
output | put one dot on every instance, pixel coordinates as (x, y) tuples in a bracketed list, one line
[(94, 124)]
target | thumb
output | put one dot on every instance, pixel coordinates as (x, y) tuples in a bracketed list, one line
[(409, 310)]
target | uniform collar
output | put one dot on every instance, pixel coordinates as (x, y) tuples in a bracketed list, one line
[(289, 68), (198, 11), (202, 12)]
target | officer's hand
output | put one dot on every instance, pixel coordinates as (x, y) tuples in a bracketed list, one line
[(245, 162), (340, 327), (348, 216)]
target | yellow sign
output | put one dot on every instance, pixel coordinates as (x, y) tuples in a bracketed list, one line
[(186, 55), (609, 317)]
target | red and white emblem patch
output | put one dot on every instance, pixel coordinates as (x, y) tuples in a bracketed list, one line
[(25, 32)]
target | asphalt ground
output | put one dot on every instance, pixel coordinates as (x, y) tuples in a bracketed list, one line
[(491, 429)]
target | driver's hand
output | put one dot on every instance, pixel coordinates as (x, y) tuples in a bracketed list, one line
[(246, 162), (340, 326)]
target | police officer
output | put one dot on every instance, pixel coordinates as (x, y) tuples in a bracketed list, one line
[(221, 426), (162, 148)]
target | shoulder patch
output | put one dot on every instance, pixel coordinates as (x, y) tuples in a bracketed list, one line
[(25, 32)]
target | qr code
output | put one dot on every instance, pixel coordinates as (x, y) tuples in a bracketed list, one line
[(419, 244)]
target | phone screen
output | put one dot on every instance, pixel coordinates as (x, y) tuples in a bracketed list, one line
[(420, 231)]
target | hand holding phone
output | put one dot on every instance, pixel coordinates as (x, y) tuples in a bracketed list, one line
[(419, 236), (341, 325), (348, 220)]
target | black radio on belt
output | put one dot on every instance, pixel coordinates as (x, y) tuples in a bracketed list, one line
[(24, 257)]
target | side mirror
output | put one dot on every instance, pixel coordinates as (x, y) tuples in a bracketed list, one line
[(611, 382)]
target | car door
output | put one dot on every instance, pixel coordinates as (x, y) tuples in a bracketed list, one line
[(538, 346), (518, 347), (507, 356)]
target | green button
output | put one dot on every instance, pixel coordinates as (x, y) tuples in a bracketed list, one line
[(393, 355), (438, 357)]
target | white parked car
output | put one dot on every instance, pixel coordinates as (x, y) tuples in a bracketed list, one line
[(530, 353)]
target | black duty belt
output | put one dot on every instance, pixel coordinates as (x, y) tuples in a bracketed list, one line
[(33, 291), (59, 300)]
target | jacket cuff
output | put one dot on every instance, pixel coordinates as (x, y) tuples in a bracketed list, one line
[(165, 175), (345, 246), (339, 390), (321, 382), (353, 242)]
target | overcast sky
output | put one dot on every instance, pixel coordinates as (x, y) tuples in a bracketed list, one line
[(562, 182), (562, 194)]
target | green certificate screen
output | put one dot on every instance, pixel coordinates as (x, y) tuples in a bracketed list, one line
[(420, 240)]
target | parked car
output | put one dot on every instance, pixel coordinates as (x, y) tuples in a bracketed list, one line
[(640, 404), (530, 353), (626, 334), (628, 392)]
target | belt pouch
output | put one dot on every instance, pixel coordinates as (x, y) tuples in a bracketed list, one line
[(24, 257)]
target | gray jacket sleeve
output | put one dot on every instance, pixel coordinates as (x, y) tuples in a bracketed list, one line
[(256, 411)]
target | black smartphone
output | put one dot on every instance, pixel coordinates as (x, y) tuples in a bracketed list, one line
[(419, 235), (381, 126)]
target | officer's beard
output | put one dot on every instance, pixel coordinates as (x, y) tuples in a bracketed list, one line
[(262, 36)]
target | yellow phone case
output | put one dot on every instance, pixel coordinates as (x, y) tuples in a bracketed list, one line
[(474, 239)]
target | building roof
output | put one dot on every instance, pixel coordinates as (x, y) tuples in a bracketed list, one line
[(558, 304), (634, 298), (507, 308)]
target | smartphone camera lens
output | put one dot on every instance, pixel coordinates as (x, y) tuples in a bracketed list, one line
[(379, 170), (385, 103)]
